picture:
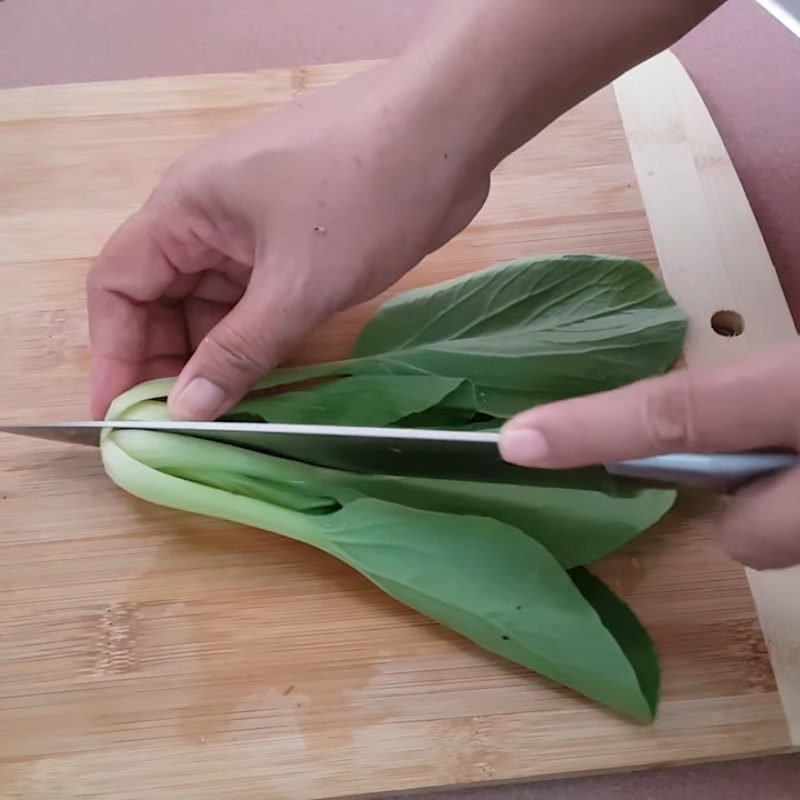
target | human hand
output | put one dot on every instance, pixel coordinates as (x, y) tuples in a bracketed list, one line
[(745, 406), (254, 238)]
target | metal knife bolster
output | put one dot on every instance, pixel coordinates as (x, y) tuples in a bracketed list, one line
[(717, 472)]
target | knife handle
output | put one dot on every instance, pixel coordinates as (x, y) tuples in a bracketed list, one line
[(723, 473)]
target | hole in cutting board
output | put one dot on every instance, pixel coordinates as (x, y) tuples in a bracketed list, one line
[(727, 323)]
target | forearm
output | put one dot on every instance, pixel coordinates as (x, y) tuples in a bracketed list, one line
[(496, 72)]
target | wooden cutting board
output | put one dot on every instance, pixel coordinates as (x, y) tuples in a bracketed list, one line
[(147, 653)]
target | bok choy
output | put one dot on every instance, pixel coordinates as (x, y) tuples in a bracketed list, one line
[(503, 565)]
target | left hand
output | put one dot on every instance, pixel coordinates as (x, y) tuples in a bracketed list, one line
[(254, 238), (747, 406)]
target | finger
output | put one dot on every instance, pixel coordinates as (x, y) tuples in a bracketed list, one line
[(161, 352), (167, 341), (238, 351), (224, 284), (761, 527), (202, 316), (130, 270), (740, 407), (116, 361)]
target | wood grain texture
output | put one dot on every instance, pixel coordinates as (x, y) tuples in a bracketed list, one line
[(148, 653), (712, 258)]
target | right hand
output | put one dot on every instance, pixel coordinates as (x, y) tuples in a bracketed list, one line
[(254, 238), (750, 405)]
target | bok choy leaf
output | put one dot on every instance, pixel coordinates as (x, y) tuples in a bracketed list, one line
[(502, 565)]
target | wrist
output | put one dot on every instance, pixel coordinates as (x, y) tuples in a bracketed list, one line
[(488, 75), (459, 124)]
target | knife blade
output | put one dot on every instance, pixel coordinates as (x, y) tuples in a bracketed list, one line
[(89, 432), (452, 455), (786, 12)]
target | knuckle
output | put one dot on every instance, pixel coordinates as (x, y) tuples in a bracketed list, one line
[(235, 351), (183, 169), (182, 181), (169, 194), (759, 528), (741, 550), (93, 279), (751, 546), (105, 270), (669, 416)]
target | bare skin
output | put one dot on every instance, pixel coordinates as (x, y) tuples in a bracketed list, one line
[(745, 406), (253, 239)]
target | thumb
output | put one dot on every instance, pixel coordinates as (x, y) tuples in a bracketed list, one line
[(759, 528), (236, 353)]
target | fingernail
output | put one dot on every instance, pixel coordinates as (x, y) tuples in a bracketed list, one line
[(524, 446), (200, 400)]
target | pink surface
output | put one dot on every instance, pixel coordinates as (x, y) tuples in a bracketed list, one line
[(776, 778), (746, 66), (61, 41)]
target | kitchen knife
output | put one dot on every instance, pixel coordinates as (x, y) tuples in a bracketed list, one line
[(453, 455)]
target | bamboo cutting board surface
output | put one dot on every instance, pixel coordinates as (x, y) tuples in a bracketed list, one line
[(149, 653)]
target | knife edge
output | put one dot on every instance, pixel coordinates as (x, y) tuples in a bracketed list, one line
[(72, 431)]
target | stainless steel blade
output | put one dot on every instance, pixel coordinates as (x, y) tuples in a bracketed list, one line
[(88, 432), (452, 455), (786, 12), (716, 472)]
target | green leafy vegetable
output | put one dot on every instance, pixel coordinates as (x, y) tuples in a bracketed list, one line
[(500, 564), (629, 633), (344, 401), (577, 527), (479, 577), (528, 332)]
